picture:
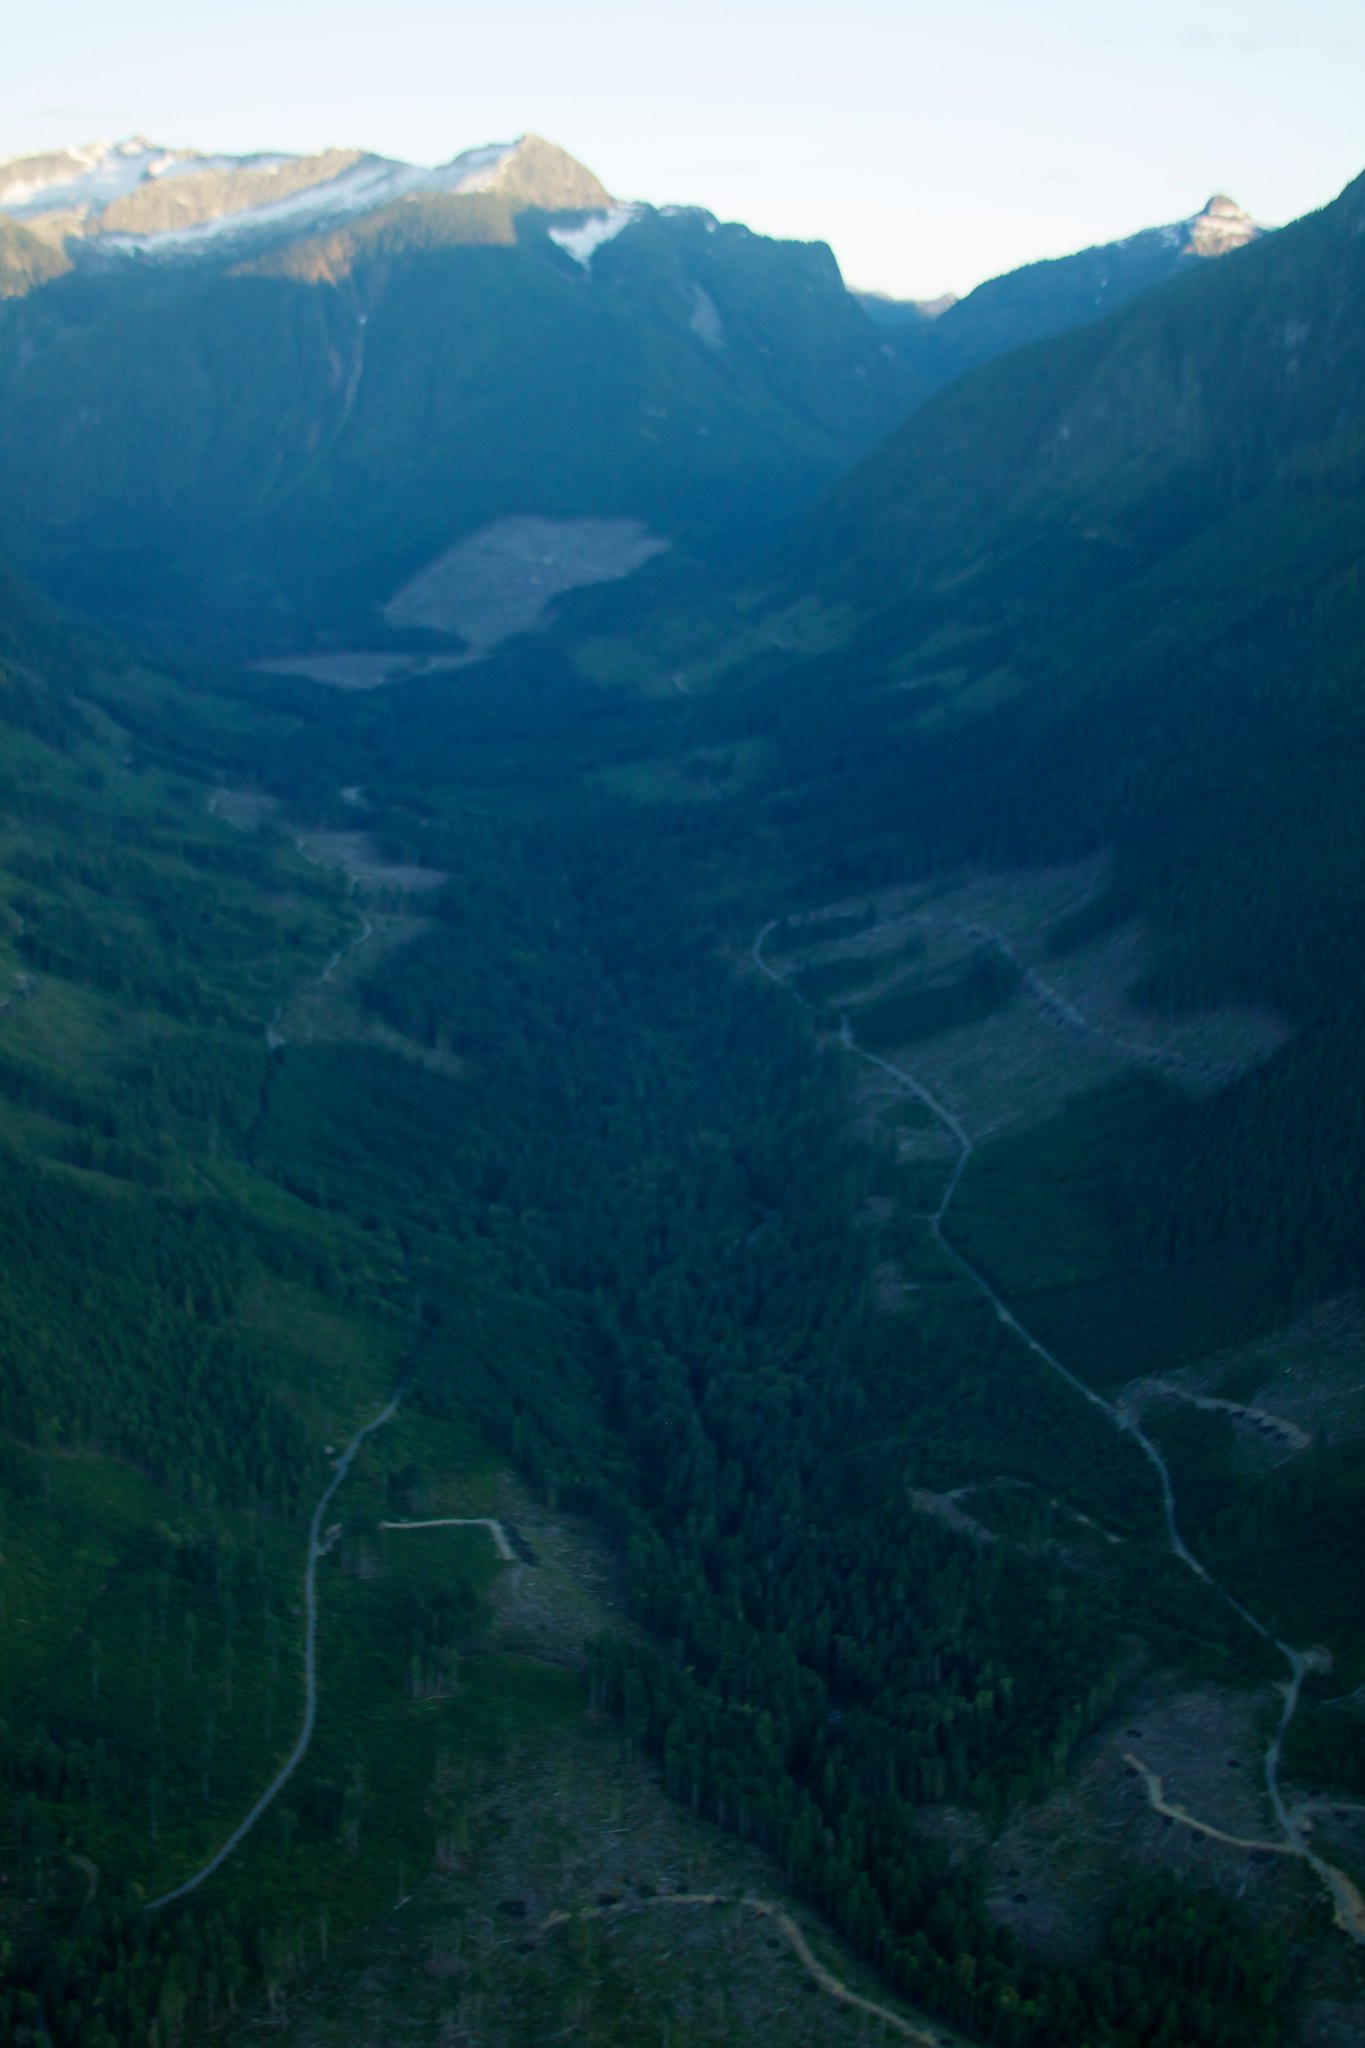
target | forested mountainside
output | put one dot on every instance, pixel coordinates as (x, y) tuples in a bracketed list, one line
[(1043, 299), (753, 1204), (1107, 594), (1062, 473)]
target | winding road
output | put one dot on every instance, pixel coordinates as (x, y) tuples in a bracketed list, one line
[(1348, 1904), (766, 1909), (1029, 1486), (1272, 1428), (352, 945), (316, 1546), (310, 1673)]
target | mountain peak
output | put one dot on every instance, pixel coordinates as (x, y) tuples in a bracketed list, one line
[(1223, 225), (540, 173)]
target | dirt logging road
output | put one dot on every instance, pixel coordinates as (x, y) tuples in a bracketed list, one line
[(310, 1666)]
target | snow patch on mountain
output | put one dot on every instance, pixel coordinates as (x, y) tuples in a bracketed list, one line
[(474, 170), (69, 180), (360, 190), (186, 164), (582, 243), (92, 178), (101, 191), (706, 322), (367, 185)]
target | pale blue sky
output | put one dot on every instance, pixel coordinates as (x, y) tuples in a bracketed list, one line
[(932, 145)]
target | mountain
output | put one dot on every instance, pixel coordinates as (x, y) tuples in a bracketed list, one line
[(945, 337), (1105, 592), (26, 261), (250, 399), (267, 392), (1101, 451), (135, 198)]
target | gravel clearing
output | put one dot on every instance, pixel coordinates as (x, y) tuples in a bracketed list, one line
[(503, 579)]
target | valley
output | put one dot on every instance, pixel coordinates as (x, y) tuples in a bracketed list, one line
[(680, 1278)]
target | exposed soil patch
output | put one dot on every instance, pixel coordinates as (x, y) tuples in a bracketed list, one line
[(247, 809), (355, 854), (503, 579), (359, 668), (1050, 1881), (891, 1291), (947, 1510), (374, 1031), (551, 1609), (580, 1829), (1055, 1876), (1206, 1743), (494, 583)]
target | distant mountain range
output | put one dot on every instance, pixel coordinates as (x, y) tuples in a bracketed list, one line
[(247, 398), (137, 198)]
